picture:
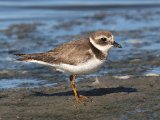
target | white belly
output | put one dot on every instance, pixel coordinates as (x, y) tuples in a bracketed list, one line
[(83, 68)]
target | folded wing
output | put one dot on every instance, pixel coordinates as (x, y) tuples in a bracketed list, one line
[(69, 53)]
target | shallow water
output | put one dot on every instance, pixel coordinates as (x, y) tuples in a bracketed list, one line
[(24, 83), (27, 27)]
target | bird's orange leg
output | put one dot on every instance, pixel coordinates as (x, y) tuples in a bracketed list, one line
[(79, 98)]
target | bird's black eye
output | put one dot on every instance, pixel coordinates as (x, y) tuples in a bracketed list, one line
[(103, 39)]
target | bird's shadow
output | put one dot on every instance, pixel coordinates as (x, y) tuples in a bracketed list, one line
[(93, 92)]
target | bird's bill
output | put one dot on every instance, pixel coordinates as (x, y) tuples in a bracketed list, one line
[(115, 44)]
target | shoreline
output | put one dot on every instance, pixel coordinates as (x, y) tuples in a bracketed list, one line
[(87, 7)]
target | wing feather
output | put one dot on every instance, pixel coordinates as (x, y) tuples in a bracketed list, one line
[(69, 53)]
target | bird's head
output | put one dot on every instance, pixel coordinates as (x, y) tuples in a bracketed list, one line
[(103, 40)]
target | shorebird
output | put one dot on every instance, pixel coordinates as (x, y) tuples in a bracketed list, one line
[(77, 57)]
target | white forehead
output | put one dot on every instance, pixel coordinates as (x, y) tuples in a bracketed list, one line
[(103, 36)]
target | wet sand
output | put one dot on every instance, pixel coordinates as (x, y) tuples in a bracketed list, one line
[(135, 98)]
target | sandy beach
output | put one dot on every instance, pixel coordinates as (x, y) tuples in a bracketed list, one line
[(112, 99)]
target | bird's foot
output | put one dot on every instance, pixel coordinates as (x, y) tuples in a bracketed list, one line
[(81, 98)]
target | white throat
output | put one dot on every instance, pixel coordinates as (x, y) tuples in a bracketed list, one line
[(104, 49)]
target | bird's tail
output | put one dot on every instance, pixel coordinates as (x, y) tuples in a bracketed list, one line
[(24, 57), (29, 57)]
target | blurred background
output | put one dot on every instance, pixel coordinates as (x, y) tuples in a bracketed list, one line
[(28, 26)]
